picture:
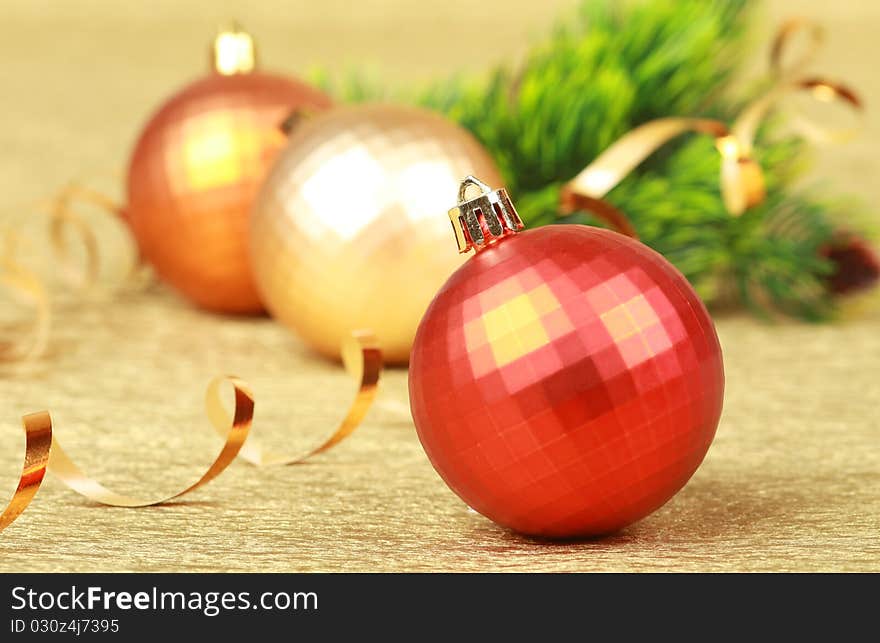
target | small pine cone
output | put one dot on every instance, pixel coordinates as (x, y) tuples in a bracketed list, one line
[(856, 265)]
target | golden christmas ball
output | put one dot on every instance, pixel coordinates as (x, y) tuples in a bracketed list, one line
[(197, 167), (350, 231)]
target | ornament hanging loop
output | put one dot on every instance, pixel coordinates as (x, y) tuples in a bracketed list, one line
[(484, 219), (469, 181)]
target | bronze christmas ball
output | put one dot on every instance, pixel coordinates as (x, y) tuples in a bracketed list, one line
[(193, 176)]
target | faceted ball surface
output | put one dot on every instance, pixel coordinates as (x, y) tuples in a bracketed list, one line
[(566, 381), (350, 229), (193, 176)]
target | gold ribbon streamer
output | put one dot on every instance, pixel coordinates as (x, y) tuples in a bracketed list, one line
[(587, 190), (741, 177), (26, 286), (363, 359), (38, 436), (43, 452), (361, 356), (63, 217), (235, 430)]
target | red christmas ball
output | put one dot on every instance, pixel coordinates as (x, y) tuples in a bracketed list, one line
[(194, 174), (565, 381)]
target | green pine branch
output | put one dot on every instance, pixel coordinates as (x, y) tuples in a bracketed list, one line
[(609, 68)]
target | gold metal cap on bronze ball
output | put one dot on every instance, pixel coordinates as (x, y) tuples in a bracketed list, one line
[(233, 51)]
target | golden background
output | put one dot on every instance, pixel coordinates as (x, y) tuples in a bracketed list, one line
[(791, 483)]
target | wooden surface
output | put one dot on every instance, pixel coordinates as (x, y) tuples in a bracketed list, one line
[(791, 483)]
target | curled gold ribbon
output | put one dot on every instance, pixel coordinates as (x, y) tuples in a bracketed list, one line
[(362, 358), (587, 190), (38, 442), (235, 429), (741, 177), (27, 286), (30, 289), (63, 217)]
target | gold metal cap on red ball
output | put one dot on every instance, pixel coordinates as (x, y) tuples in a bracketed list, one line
[(485, 219)]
